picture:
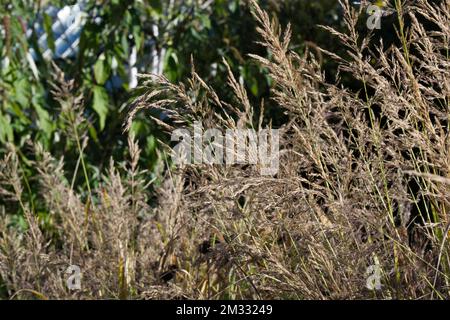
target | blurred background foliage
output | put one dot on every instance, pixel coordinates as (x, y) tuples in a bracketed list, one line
[(159, 36)]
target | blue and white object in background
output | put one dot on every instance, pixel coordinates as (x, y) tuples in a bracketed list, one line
[(67, 26)]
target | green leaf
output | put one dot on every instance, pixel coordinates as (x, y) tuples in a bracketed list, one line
[(93, 133), (100, 104), (22, 92), (233, 5), (151, 144), (171, 65), (49, 32), (137, 36), (44, 121), (156, 6), (6, 131), (101, 70), (206, 22)]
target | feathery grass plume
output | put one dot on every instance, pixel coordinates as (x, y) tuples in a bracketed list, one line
[(342, 200), (363, 183)]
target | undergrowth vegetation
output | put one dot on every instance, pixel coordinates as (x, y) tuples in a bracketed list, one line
[(364, 180)]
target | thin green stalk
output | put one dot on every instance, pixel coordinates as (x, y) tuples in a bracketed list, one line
[(80, 152), (401, 22)]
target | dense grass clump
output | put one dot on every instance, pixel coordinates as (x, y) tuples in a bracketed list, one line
[(363, 181)]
